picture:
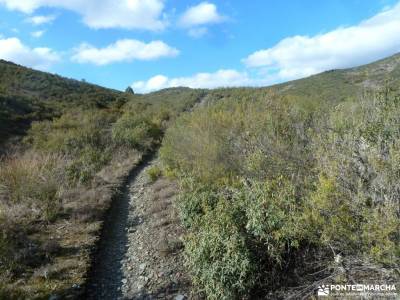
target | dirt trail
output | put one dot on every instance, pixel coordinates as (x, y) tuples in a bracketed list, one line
[(140, 250)]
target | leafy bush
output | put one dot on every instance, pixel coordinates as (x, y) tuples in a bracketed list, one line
[(218, 255), (135, 131), (154, 173), (83, 137), (358, 159), (246, 138), (253, 169)]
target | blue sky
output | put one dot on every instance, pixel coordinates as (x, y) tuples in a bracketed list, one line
[(154, 44)]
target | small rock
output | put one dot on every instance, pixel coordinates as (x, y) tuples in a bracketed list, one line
[(180, 297), (124, 281), (142, 267)]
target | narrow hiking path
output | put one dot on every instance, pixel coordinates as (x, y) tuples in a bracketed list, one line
[(140, 251)]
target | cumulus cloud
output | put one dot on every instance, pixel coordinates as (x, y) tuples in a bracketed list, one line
[(12, 49), (196, 19), (129, 14), (301, 56), (40, 20), (201, 14), (221, 78), (123, 50)]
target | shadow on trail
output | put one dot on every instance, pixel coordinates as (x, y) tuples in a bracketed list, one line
[(105, 276)]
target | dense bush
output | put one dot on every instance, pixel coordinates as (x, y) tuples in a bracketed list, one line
[(217, 254), (83, 137), (358, 165), (52, 179), (268, 178), (138, 127)]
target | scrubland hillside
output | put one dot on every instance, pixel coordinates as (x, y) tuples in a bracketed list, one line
[(280, 187), (80, 141), (288, 187)]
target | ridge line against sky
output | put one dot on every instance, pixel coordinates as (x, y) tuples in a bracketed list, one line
[(155, 44)]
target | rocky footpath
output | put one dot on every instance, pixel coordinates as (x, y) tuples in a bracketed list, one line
[(140, 251)]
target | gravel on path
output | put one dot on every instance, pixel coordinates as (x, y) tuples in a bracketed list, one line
[(140, 251)]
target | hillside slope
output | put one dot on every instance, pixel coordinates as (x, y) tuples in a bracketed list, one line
[(28, 95), (336, 85), (80, 142), (329, 87), (290, 187), (237, 157)]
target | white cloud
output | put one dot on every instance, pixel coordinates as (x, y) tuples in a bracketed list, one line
[(201, 14), (40, 20), (129, 14), (300, 56), (123, 50), (37, 34), (221, 78), (12, 49)]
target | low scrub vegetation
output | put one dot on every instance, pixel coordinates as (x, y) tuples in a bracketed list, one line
[(154, 173), (62, 179), (280, 187), (275, 189)]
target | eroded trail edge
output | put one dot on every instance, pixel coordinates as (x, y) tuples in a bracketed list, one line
[(139, 254)]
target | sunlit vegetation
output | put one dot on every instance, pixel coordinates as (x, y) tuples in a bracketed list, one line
[(28, 95), (280, 187), (273, 185), (79, 140)]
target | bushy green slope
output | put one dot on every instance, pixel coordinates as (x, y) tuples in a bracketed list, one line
[(285, 186), (16, 80), (259, 169), (337, 85), (27, 95), (78, 138)]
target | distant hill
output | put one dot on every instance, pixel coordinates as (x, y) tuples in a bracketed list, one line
[(27, 95), (20, 81), (340, 84), (327, 88)]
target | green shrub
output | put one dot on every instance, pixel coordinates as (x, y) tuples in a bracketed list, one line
[(218, 256), (83, 137), (248, 138), (195, 201), (266, 178), (131, 132), (354, 203), (154, 173), (272, 214)]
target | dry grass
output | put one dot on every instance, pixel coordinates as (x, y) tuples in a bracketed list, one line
[(49, 227), (31, 185)]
